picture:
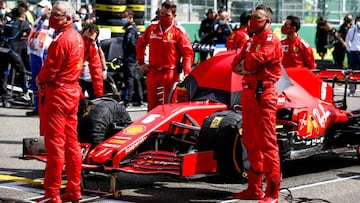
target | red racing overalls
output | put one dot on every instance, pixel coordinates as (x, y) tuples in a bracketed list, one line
[(262, 57), (237, 39), (95, 69), (58, 106), (297, 53), (166, 47)]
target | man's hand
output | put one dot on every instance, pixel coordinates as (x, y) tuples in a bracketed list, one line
[(145, 68), (104, 74), (238, 67)]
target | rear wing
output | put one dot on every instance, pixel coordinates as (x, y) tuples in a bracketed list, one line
[(339, 75), (342, 76)]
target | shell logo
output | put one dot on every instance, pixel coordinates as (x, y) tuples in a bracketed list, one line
[(133, 130)]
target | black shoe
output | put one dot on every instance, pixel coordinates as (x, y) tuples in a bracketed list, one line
[(32, 113), (138, 104), (6, 104), (129, 105)]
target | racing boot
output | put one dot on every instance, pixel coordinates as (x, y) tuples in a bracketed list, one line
[(254, 190), (50, 197), (71, 196), (46, 199), (272, 188), (73, 176)]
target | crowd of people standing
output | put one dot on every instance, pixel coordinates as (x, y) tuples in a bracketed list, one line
[(24, 39)]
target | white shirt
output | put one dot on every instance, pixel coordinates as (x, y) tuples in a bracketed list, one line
[(352, 40), (40, 37)]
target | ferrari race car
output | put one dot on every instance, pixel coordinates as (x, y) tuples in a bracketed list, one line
[(200, 133)]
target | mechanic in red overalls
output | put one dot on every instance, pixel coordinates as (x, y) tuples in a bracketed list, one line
[(168, 42), (297, 52), (59, 95), (91, 78), (260, 63), (238, 38)]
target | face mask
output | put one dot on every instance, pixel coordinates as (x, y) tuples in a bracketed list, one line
[(221, 22), (358, 24), (40, 11), (256, 25), (82, 16), (285, 30), (78, 25), (2, 12), (54, 23), (124, 21), (164, 21)]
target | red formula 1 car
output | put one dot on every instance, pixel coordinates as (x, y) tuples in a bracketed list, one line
[(203, 135)]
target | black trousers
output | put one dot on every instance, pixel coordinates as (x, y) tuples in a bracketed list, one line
[(15, 60), (134, 91)]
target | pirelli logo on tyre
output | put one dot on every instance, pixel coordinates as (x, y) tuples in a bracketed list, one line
[(133, 130), (216, 122)]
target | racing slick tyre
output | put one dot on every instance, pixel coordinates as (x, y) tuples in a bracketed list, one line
[(220, 132), (97, 119)]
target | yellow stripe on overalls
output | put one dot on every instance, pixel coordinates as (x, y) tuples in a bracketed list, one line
[(29, 17), (112, 8)]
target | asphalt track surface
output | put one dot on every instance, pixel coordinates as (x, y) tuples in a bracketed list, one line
[(326, 178)]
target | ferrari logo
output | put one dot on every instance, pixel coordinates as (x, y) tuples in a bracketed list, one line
[(312, 124), (296, 49), (170, 36), (80, 64), (257, 47), (86, 113), (133, 130)]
